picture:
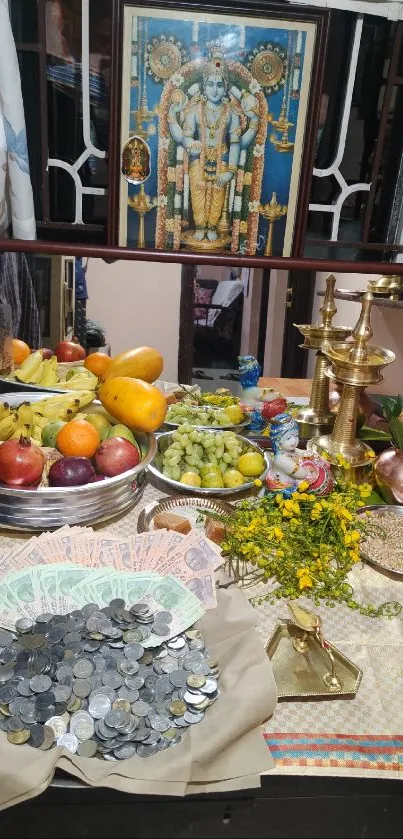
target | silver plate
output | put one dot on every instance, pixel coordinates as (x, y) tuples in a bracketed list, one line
[(52, 507), (164, 441), (170, 504), (17, 387), (375, 508)]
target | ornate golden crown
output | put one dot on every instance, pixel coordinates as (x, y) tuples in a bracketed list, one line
[(215, 64)]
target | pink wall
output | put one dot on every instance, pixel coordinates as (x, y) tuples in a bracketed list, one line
[(138, 305)]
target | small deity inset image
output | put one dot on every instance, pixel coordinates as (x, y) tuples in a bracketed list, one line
[(135, 161)]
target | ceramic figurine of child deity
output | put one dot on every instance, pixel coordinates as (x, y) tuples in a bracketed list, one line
[(259, 403), (289, 466)]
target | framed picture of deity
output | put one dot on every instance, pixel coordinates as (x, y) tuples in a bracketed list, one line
[(218, 123)]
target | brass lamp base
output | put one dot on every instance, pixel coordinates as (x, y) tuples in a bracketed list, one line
[(312, 424), (357, 457)]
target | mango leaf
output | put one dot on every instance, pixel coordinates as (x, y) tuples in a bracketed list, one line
[(396, 430), (368, 433), (388, 407)]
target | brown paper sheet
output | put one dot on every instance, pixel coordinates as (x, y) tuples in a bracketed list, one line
[(225, 752)]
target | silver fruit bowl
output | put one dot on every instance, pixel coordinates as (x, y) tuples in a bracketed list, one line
[(164, 440), (47, 508)]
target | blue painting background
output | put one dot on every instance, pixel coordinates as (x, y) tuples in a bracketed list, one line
[(278, 165)]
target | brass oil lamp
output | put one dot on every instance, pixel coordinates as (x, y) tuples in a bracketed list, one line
[(316, 418), (388, 286), (356, 364)]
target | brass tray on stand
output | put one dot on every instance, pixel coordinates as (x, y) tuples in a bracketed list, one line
[(308, 668)]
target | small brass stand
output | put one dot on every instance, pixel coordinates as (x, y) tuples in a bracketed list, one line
[(390, 286), (316, 418), (272, 211), (141, 204), (357, 365)]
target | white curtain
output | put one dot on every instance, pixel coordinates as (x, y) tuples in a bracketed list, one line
[(16, 199)]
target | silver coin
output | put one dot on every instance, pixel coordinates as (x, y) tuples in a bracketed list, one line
[(128, 667), (83, 668), (134, 651), (15, 724), (117, 717), (210, 686), (192, 718), (125, 751), (159, 723), (6, 638), (63, 671), (180, 722), (39, 684), (200, 668), (178, 678), (16, 705), (104, 691), (23, 625), (45, 617), (82, 688), (99, 706), (140, 708), (153, 737), (163, 617), (61, 693), (147, 751), (159, 628), (6, 673), (178, 643), (84, 727), (134, 682), (68, 741), (127, 694), (58, 726), (168, 665), (194, 698), (24, 688), (88, 748), (112, 679)]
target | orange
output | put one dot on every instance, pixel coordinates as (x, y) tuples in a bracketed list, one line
[(78, 438), (21, 351), (98, 364), (133, 402), (144, 363)]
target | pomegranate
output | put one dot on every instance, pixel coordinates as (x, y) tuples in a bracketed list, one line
[(70, 351), (46, 352), (21, 463), (116, 455), (71, 472)]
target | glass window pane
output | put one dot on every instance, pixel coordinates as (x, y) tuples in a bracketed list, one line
[(24, 20)]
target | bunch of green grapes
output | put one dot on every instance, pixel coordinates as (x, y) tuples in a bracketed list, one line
[(191, 450), (181, 413)]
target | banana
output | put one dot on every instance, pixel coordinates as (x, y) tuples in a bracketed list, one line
[(25, 422), (64, 401), (49, 373), (79, 383), (4, 410), (29, 368), (8, 426)]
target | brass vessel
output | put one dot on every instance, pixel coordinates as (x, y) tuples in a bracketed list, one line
[(316, 418), (355, 364)]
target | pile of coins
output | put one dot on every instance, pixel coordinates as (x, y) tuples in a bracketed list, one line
[(86, 682)]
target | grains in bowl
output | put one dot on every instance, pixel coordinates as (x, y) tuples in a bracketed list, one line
[(384, 546)]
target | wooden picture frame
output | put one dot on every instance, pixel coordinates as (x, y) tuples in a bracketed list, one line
[(250, 216)]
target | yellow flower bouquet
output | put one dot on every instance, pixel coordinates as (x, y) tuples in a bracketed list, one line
[(302, 545)]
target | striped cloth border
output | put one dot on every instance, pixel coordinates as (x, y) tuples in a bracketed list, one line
[(344, 751)]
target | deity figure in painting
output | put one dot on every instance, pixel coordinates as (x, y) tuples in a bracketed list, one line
[(136, 160), (290, 466), (212, 141)]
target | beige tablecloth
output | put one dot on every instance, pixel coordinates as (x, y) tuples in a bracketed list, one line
[(369, 728)]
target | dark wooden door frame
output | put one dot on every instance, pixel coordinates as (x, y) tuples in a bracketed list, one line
[(186, 325), (300, 296)]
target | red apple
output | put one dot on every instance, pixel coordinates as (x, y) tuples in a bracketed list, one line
[(46, 352), (70, 351)]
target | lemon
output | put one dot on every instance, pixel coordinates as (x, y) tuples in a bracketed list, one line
[(212, 480), (251, 464), (99, 422), (192, 479), (235, 414)]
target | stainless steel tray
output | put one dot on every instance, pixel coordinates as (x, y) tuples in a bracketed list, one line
[(386, 568), (299, 675), (164, 441), (187, 506)]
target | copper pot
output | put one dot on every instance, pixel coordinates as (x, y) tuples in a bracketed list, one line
[(388, 472), (365, 408)]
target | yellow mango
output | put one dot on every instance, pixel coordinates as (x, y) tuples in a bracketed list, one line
[(133, 402)]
